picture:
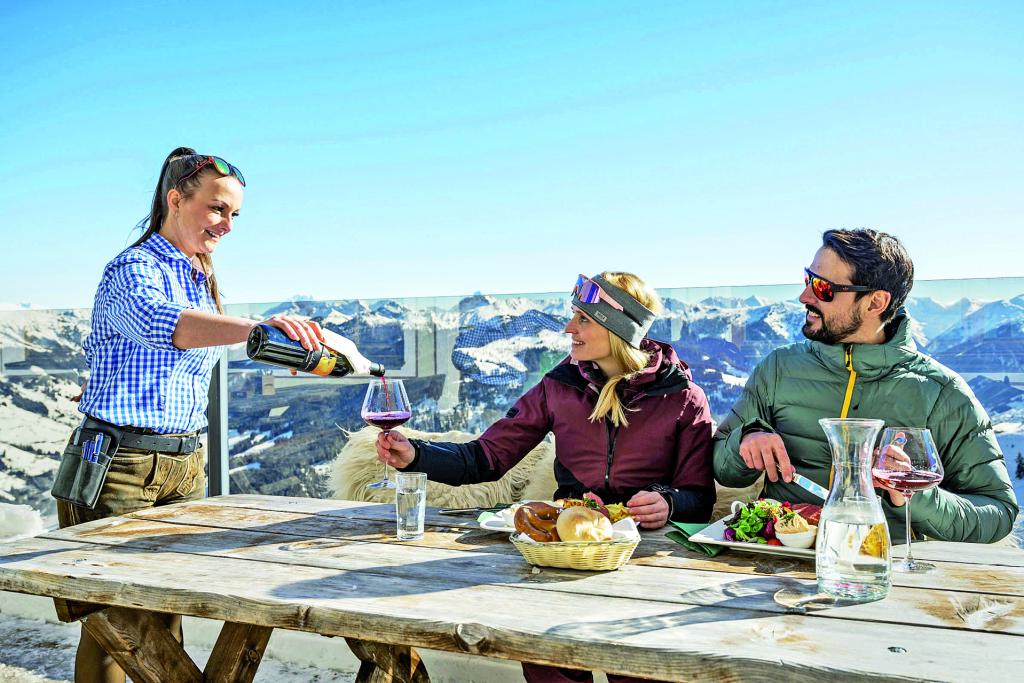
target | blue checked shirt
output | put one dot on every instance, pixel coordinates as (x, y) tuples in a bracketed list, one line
[(137, 376)]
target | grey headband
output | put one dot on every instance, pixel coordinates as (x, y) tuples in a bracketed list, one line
[(630, 325)]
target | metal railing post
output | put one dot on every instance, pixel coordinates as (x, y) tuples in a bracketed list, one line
[(217, 437)]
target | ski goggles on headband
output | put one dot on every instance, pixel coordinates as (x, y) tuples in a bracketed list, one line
[(825, 290), (218, 164), (589, 292), (613, 308)]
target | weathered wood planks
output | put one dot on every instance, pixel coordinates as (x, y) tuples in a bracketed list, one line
[(332, 567), (926, 607), (639, 637), (383, 663), (237, 653), (141, 644), (655, 550)]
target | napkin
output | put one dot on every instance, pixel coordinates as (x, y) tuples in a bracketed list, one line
[(681, 535)]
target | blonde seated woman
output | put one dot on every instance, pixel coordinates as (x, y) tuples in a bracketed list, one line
[(630, 425)]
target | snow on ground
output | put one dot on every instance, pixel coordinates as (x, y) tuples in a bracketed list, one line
[(19, 521), (41, 652)]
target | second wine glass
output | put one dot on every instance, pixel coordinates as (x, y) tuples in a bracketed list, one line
[(908, 462), (386, 406)]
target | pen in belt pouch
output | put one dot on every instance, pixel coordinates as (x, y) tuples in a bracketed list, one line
[(90, 452), (806, 483)]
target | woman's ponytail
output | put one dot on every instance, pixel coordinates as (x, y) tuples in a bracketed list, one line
[(609, 404), (158, 209)]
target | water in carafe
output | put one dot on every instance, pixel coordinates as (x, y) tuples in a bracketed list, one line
[(852, 546)]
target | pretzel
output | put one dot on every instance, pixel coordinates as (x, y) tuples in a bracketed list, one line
[(537, 520)]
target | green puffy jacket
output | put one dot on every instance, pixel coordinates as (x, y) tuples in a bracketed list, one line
[(796, 385)]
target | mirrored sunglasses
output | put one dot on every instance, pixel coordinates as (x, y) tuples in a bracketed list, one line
[(218, 164), (825, 290)]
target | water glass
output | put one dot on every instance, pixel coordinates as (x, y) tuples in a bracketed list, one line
[(410, 504)]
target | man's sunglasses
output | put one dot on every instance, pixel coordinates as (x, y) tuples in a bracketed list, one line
[(218, 164), (825, 290), (588, 291)]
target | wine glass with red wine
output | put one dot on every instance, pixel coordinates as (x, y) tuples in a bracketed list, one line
[(386, 406), (908, 461)]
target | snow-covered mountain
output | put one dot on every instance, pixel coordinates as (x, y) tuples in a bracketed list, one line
[(978, 324), (36, 417), (933, 318)]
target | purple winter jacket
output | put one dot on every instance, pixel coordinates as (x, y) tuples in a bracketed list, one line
[(666, 447)]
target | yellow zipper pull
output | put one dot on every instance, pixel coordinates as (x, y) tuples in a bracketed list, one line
[(850, 383), (847, 399)]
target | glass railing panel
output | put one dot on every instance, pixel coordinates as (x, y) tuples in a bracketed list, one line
[(465, 360), (41, 369)]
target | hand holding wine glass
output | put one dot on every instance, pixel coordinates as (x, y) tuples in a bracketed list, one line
[(394, 449), (386, 406), (907, 461)]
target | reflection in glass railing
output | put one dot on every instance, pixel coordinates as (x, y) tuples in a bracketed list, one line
[(466, 359), (41, 369)]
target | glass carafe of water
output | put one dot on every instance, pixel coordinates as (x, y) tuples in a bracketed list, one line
[(852, 546)]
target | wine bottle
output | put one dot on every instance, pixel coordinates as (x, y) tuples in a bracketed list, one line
[(267, 344)]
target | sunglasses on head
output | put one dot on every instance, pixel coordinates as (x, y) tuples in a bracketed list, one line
[(588, 291), (825, 290), (218, 164)]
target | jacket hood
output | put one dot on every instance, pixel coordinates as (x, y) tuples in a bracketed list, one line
[(664, 374), (872, 360)]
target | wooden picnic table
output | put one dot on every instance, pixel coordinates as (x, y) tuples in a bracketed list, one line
[(335, 568)]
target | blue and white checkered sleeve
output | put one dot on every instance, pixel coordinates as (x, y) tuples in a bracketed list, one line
[(138, 305)]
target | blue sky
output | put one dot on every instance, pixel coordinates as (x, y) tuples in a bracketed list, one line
[(432, 148)]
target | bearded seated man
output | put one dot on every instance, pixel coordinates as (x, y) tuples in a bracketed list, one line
[(860, 361)]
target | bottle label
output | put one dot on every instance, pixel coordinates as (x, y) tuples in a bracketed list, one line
[(326, 365)]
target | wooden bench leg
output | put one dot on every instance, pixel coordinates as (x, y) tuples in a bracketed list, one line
[(383, 663), (237, 654), (141, 644)]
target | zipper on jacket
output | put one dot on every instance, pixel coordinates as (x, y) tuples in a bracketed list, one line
[(849, 385), (613, 436), (847, 399)]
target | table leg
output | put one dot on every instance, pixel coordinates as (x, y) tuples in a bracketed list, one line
[(141, 644), (237, 654), (383, 663)]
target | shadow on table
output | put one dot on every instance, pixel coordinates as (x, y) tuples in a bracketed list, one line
[(335, 552), (747, 598), (349, 550)]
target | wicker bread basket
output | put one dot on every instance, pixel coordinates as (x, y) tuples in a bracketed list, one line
[(592, 556)]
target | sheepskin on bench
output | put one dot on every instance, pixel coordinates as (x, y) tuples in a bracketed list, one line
[(357, 465), (532, 479)]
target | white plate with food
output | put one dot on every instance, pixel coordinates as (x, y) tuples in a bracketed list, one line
[(498, 521), (716, 534), (502, 520)]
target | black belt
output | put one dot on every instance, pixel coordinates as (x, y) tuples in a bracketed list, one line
[(133, 437)]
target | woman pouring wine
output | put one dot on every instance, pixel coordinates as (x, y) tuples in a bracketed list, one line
[(630, 425), (157, 330)]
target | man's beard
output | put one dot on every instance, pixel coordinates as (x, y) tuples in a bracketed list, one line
[(832, 332)]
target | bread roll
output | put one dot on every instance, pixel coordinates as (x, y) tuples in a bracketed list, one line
[(583, 524)]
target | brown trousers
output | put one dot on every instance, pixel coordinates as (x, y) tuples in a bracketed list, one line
[(137, 480)]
